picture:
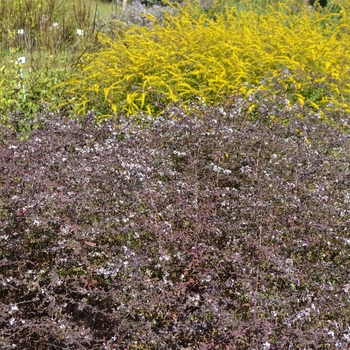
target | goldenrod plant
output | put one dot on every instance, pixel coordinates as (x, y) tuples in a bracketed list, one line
[(208, 55)]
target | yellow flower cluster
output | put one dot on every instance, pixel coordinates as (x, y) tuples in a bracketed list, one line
[(200, 55)]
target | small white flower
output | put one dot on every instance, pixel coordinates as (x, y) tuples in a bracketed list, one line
[(266, 345), (14, 308), (164, 257)]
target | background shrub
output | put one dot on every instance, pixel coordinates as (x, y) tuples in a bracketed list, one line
[(47, 36), (210, 55)]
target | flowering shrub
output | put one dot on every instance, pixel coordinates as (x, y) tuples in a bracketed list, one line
[(207, 230), (210, 54)]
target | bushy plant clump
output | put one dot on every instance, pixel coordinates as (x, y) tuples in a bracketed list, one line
[(23, 95), (176, 232), (39, 43), (208, 55)]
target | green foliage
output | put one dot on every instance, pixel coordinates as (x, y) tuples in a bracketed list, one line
[(28, 89), (210, 55), (71, 272), (44, 33)]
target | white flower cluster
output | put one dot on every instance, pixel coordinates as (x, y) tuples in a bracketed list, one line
[(218, 169)]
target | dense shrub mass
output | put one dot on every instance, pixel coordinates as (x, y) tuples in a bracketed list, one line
[(179, 232), (210, 54)]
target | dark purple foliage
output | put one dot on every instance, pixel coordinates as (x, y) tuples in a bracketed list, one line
[(180, 232)]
